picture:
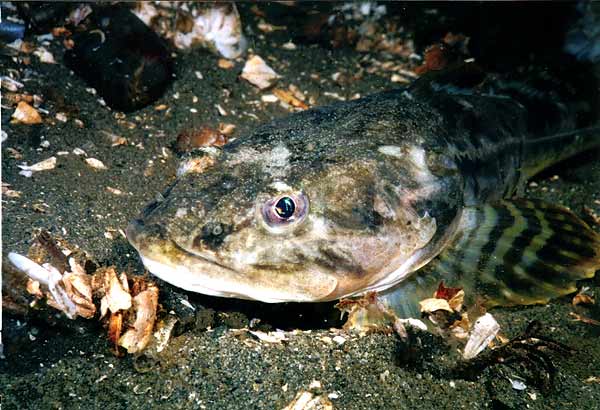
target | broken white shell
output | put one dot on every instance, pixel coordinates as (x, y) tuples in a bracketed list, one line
[(117, 295), (49, 276), (306, 400), (137, 337), (10, 84), (218, 27), (95, 163), (44, 55), (484, 330), (258, 73), (270, 337), (432, 304), (47, 164)]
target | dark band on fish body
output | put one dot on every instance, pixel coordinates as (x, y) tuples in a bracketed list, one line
[(505, 220), (542, 272)]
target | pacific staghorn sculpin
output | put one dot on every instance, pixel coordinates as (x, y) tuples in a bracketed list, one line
[(391, 193)]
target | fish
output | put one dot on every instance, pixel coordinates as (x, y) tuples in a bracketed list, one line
[(389, 193)]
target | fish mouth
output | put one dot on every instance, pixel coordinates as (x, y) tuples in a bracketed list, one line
[(190, 271)]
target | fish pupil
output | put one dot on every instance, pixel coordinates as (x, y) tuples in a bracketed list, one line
[(285, 207)]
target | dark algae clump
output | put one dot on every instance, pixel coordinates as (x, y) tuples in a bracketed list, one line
[(218, 355)]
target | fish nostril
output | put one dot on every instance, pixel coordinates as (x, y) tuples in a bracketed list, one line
[(217, 230), (213, 229), (212, 236)]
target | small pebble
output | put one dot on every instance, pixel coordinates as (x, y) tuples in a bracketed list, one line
[(339, 340), (95, 163)]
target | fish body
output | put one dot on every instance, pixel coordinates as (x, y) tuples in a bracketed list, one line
[(371, 194)]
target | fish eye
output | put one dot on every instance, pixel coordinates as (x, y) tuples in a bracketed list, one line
[(285, 207), (285, 210)]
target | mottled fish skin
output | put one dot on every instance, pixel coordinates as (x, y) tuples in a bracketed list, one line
[(384, 181)]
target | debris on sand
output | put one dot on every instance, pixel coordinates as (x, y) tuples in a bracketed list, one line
[(26, 114), (450, 320), (582, 300), (580, 318), (431, 305), (45, 165), (482, 333), (305, 400), (369, 313), (10, 84), (289, 98), (269, 337), (196, 165), (225, 64), (311, 399), (583, 297), (44, 55), (7, 192), (67, 292), (191, 139), (226, 128), (217, 27), (127, 306), (258, 73), (444, 312), (138, 335), (95, 163), (115, 290)]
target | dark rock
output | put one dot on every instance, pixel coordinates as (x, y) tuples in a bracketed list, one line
[(127, 63)]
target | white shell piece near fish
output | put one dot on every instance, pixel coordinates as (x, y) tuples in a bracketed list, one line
[(483, 332), (49, 276)]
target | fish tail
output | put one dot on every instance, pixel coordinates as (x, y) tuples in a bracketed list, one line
[(541, 152)]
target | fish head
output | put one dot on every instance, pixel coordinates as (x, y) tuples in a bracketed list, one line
[(279, 222)]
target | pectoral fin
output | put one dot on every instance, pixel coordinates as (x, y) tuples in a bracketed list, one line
[(520, 252), (511, 252)]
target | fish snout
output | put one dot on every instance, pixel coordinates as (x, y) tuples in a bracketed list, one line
[(133, 229), (138, 232)]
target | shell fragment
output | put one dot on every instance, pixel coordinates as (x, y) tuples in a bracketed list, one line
[(484, 330), (258, 73), (45, 165), (26, 114)]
